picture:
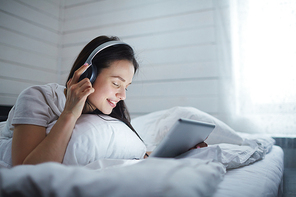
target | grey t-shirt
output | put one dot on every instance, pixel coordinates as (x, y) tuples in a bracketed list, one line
[(36, 105)]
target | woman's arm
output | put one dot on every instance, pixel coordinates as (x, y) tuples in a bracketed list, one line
[(30, 145), (147, 154)]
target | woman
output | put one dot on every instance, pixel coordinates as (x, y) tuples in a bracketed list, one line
[(116, 67), (40, 107)]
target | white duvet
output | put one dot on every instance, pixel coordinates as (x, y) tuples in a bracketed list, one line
[(195, 173), (153, 177)]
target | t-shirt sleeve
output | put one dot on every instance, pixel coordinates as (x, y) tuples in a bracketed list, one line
[(31, 107)]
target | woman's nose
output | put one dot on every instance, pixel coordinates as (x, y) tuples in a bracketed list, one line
[(121, 94)]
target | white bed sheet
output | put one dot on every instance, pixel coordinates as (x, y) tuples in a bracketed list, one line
[(262, 178)]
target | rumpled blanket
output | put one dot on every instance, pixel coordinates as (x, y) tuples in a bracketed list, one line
[(231, 155), (151, 177)]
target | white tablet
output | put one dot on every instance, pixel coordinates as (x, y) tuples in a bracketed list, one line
[(184, 135)]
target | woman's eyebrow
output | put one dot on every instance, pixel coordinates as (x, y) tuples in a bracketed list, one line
[(120, 78)]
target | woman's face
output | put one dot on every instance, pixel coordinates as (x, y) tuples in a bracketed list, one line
[(110, 85)]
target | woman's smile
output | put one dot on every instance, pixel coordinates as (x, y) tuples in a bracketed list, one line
[(112, 103)]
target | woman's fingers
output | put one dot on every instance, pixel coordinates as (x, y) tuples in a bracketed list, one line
[(85, 87), (81, 90), (77, 73), (69, 82), (77, 92), (76, 97), (199, 145)]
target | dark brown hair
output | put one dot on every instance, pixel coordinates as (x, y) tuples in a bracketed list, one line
[(103, 60)]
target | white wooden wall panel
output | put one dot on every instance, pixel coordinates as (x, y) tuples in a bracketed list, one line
[(27, 59), (22, 73), (138, 13), (191, 87), (100, 7), (10, 90), (173, 71), (12, 87), (143, 106), (175, 42), (27, 13), (171, 55), (29, 44), (153, 26), (165, 94), (73, 3), (47, 7), (190, 31), (170, 72), (183, 37), (18, 25), (180, 55), (7, 99), (224, 55)]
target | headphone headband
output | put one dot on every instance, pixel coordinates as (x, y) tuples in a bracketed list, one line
[(91, 71), (100, 48)]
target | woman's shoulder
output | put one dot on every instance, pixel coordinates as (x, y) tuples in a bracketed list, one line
[(43, 89), (40, 103)]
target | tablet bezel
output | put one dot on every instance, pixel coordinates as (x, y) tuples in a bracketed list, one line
[(176, 142)]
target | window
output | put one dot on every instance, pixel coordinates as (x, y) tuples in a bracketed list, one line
[(264, 64)]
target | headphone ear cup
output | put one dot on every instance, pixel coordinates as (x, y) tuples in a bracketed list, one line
[(90, 73)]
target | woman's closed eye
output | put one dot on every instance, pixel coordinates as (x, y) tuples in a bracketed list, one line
[(118, 85)]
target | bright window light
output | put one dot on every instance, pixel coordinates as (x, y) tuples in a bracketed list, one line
[(263, 37), (267, 57)]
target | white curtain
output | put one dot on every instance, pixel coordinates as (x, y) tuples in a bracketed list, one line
[(260, 88)]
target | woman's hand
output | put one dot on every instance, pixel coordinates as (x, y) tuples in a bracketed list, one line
[(77, 92), (199, 145)]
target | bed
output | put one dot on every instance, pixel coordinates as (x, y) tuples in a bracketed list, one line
[(234, 164)]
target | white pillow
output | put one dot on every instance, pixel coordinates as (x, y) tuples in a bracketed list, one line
[(154, 126), (2, 125), (5, 148), (97, 137)]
